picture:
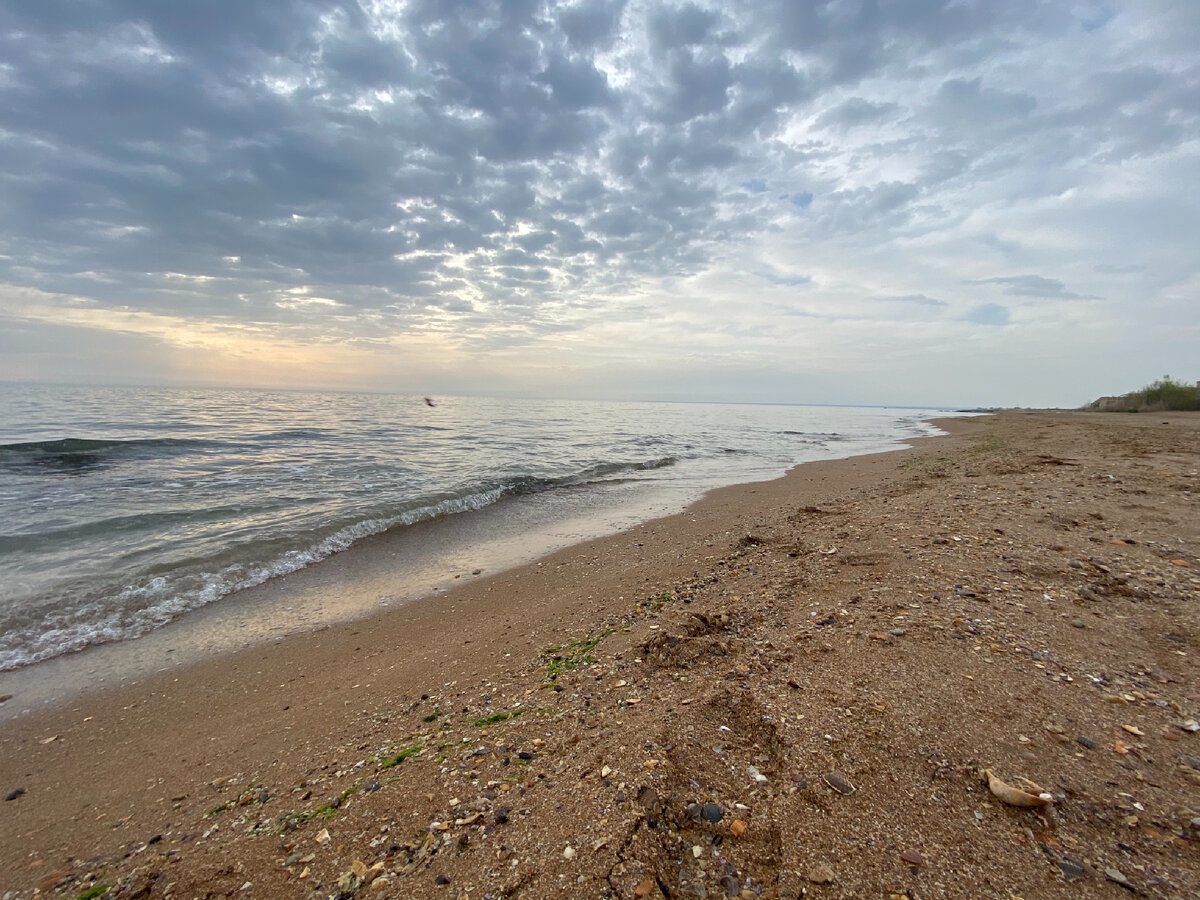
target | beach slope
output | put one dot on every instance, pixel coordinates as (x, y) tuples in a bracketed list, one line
[(793, 688)]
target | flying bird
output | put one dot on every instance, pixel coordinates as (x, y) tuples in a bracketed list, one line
[(429, 402)]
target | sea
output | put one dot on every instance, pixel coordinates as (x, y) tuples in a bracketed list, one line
[(129, 508)]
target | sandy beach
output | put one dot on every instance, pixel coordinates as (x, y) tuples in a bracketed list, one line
[(794, 688)]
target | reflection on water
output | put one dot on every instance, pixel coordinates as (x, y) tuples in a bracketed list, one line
[(128, 507)]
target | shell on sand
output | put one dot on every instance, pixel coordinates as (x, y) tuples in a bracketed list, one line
[(1012, 796)]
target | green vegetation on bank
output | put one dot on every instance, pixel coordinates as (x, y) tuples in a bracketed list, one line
[(1164, 394), (485, 721), (404, 754), (573, 655)]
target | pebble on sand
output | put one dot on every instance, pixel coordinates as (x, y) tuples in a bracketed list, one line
[(821, 874), (1116, 876)]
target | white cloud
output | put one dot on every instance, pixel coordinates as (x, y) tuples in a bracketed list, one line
[(721, 199)]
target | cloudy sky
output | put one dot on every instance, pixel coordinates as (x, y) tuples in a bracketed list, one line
[(867, 201)]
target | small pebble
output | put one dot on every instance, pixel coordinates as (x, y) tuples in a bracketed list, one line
[(711, 812), (1115, 875), (1071, 870), (913, 857), (1086, 742), (897, 632), (14, 793), (730, 886), (821, 874)]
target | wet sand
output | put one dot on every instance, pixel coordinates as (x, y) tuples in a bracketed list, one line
[(378, 573), (824, 664)]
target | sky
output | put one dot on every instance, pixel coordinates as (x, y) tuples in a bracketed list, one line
[(925, 202)]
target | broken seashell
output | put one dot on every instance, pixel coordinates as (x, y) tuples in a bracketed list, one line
[(1031, 786), (1012, 796), (1133, 729), (838, 783)]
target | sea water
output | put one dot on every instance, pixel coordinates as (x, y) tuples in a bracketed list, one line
[(127, 508)]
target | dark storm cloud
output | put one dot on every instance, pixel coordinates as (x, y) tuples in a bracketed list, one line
[(507, 157)]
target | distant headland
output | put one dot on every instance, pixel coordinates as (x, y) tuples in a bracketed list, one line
[(1164, 394)]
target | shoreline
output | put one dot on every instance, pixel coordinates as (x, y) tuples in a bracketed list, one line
[(772, 602), (360, 582)]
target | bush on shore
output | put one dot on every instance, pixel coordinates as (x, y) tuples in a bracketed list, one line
[(1164, 394)]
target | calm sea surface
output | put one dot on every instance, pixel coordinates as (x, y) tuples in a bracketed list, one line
[(124, 508)]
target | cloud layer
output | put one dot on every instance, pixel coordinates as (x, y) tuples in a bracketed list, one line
[(941, 202)]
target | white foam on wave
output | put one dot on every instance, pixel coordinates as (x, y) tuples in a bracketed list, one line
[(144, 607)]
